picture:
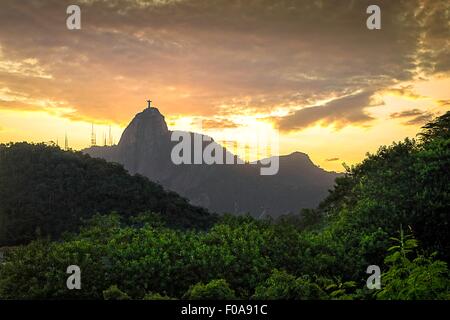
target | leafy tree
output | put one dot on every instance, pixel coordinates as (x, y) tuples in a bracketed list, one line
[(419, 278), (405, 183), (114, 293), (281, 285), (438, 128), (214, 290)]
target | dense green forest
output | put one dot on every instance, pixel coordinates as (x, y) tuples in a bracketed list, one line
[(391, 210), (45, 191)]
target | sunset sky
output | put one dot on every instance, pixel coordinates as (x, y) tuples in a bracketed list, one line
[(309, 69)]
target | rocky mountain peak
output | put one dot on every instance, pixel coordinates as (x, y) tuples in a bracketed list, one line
[(145, 148), (146, 128)]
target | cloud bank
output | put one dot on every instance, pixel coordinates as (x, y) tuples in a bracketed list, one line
[(212, 58)]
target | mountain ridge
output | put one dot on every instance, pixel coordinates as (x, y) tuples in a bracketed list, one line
[(145, 148)]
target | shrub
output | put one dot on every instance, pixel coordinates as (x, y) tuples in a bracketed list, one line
[(114, 293), (214, 290), (281, 285)]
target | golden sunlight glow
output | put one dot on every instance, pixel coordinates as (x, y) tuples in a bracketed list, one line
[(327, 146), (39, 126)]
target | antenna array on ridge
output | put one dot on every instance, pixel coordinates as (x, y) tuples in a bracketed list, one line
[(66, 142), (93, 137)]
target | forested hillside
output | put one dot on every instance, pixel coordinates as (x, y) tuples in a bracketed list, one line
[(391, 210), (45, 191)]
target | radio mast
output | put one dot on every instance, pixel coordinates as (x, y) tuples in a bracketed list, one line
[(93, 137), (66, 143)]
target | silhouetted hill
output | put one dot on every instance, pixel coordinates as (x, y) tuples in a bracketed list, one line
[(46, 191), (145, 148)]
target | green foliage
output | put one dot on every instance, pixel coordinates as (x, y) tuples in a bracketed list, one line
[(214, 290), (308, 219), (421, 278), (405, 183), (439, 128), (114, 293), (138, 259), (340, 290), (148, 262), (281, 285), (156, 296)]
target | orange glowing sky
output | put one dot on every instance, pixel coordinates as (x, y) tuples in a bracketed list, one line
[(309, 70)]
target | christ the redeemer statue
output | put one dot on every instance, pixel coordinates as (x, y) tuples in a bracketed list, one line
[(149, 103)]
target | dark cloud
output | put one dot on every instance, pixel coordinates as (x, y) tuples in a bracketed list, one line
[(338, 112), (424, 118), (418, 116), (434, 34), (195, 57), (407, 113), (332, 159)]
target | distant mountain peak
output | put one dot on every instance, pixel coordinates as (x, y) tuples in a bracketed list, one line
[(145, 148), (298, 155), (145, 127), (152, 110)]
